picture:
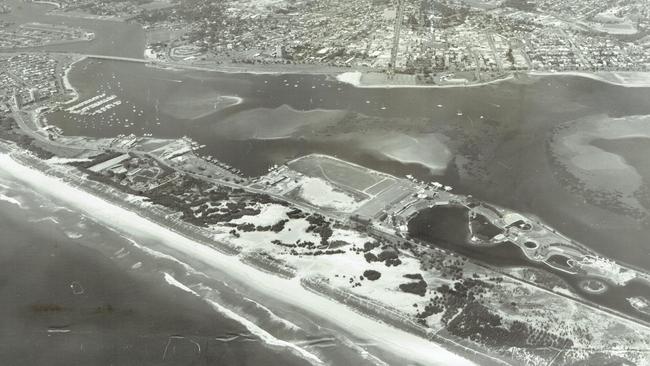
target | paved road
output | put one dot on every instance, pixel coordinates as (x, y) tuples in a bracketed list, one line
[(19, 117)]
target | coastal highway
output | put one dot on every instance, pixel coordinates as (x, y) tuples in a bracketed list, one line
[(33, 132)]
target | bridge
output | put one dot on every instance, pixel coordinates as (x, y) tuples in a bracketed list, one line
[(119, 58)]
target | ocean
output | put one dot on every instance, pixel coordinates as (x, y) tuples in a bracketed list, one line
[(82, 293)]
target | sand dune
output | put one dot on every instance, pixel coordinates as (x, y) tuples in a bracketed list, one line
[(408, 346)]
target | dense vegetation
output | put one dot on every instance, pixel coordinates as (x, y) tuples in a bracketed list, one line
[(9, 131), (371, 274)]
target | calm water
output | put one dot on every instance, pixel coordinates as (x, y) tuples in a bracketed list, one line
[(111, 38), (81, 293), (446, 227), (496, 134)]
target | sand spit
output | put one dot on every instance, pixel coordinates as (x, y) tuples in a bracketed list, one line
[(427, 150), (621, 78), (190, 103), (572, 147), (276, 123), (410, 347), (354, 78)]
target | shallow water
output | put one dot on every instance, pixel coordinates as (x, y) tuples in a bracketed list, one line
[(494, 137), (446, 227)]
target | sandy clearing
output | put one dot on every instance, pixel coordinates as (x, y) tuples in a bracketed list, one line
[(406, 345), (427, 150), (269, 215), (320, 193)]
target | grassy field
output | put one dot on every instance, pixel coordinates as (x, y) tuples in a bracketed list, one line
[(337, 172)]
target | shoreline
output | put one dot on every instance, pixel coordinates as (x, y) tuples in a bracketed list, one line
[(18, 49), (598, 76), (82, 15), (249, 69), (355, 80), (396, 341), (67, 85), (582, 246), (392, 317), (44, 2)]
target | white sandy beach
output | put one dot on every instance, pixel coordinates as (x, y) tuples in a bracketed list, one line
[(624, 79), (412, 348), (276, 123), (66, 82), (428, 150), (354, 78)]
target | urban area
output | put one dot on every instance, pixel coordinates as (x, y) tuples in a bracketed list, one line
[(346, 231)]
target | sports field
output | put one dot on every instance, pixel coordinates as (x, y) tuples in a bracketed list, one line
[(337, 172), (375, 191)]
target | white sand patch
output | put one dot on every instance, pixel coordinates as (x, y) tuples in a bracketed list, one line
[(320, 193), (59, 160), (408, 346), (353, 78), (427, 150), (352, 265), (269, 215), (339, 268), (628, 79), (350, 236), (192, 102), (597, 168), (593, 158), (138, 199), (275, 123), (67, 85), (252, 240)]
